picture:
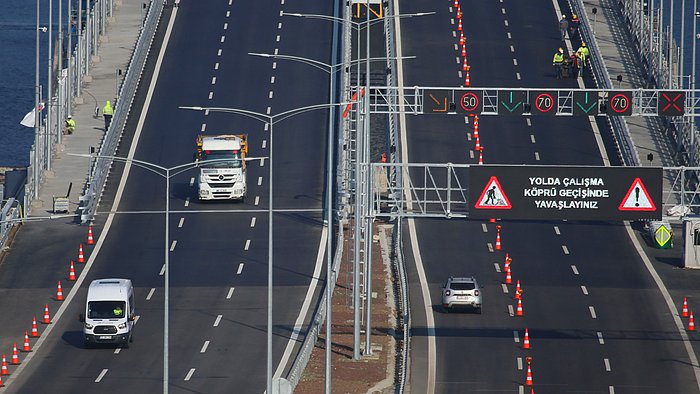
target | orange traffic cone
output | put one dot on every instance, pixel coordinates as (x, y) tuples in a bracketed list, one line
[(528, 379), (684, 312), (456, 4), (459, 25), (509, 279), (691, 323), (47, 317), (35, 331), (467, 79), (464, 66), (526, 340), (459, 12), (25, 345), (519, 311), (4, 370), (498, 237), (81, 256), (461, 39), (478, 143), (59, 292), (71, 273), (518, 290), (15, 355), (481, 154), (476, 128), (464, 51), (90, 241)]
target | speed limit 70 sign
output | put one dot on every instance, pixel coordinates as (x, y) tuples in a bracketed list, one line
[(619, 103), (543, 102)]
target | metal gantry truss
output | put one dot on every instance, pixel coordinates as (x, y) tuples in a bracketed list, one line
[(644, 102), (440, 190)]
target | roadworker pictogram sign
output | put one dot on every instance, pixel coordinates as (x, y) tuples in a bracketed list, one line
[(637, 198), (493, 196)]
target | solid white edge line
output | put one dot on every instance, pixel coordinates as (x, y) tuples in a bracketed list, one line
[(299, 323), (110, 217), (669, 302), (425, 292)]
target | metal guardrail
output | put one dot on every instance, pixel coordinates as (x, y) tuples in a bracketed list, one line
[(101, 167), (403, 369), (9, 215), (316, 323), (623, 139)]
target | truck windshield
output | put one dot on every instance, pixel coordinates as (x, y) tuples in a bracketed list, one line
[(106, 309), (233, 159)]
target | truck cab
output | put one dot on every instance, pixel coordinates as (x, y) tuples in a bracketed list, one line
[(222, 175), (110, 313)]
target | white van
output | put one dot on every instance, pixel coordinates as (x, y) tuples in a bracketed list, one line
[(109, 312)]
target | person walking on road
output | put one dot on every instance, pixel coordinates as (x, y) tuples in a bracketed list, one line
[(563, 26), (574, 61), (558, 61), (582, 53), (70, 125), (573, 26), (107, 112)]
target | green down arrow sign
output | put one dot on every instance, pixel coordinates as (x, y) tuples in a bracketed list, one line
[(511, 102), (586, 103)]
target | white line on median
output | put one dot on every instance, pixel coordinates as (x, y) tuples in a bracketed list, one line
[(230, 293), (189, 374), (101, 375), (218, 320), (204, 347), (150, 293)]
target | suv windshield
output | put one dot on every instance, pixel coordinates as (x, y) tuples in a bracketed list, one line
[(462, 286), (233, 157), (106, 309)]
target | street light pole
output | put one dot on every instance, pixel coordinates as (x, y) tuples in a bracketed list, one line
[(49, 90), (37, 126)]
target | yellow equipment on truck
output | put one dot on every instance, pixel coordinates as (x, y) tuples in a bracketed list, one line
[(222, 170)]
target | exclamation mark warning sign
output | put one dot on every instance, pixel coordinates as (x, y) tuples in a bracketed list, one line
[(637, 198)]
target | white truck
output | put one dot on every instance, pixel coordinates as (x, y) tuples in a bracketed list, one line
[(225, 178)]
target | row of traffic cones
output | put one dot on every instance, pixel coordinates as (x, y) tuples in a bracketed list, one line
[(689, 314), (26, 345), (463, 44)]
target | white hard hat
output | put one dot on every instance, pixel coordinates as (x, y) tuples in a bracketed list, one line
[(70, 117)]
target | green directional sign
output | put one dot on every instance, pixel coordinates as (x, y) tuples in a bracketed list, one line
[(511, 102), (586, 103)]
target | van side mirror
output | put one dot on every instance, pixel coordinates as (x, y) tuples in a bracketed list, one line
[(81, 318)]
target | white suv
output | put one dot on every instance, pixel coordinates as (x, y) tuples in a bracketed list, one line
[(462, 292)]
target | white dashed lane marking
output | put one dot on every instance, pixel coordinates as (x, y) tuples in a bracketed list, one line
[(228, 14), (187, 202), (162, 270), (512, 49), (204, 127), (257, 200), (600, 338), (267, 111), (150, 293), (505, 288), (262, 162), (211, 95), (516, 336), (204, 347), (240, 269), (515, 62), (607, 364), (527, 120), (537, 156), (573, 268), (259, 180), (510, 311), (272, 79), (517, 75), (278, 38), (565, 249), (592, 310), (490, 246), (252, 222), (612, 389), (216, 66), (247, 244), (584, 290), (223, 38), (191, 181), (509, 36), (520, 364), (189, 374), (218, 53), (556, 230), (484, 228), (213, 80), (182, 221), (274, 67), (270, 94), (218, 320), (172, 245), (497, 267), (117, 350), (230, 293), (279, 25), (101, 375), (532, 138), (506, 22), (264, 143)]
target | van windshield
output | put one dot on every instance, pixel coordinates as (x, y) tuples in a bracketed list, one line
[(106, 309)]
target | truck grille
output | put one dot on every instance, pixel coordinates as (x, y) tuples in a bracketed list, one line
[(220, 178), (105, 330)]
